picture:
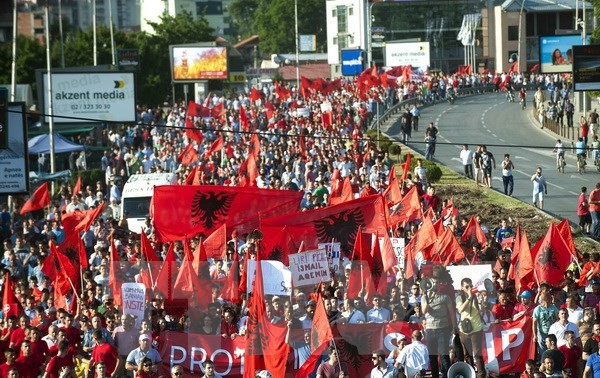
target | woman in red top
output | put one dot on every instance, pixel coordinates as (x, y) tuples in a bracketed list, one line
[(583, 211), (229, 328), (585, 129)]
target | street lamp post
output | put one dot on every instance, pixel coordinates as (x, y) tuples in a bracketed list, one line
[(369, 35), (297, 45)]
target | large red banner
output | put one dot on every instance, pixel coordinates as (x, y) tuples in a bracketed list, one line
[(507, 346)]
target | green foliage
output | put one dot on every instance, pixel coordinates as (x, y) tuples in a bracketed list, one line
[(242, 15), (435, 172), (30, 54), (385, 146), (88, 177), (395, 150), (274, 21)]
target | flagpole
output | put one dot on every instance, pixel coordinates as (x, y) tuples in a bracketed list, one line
[(73, 287), (338, 354), (301, 245)]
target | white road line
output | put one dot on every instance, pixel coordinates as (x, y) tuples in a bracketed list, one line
[(573, 193), (556, 186)]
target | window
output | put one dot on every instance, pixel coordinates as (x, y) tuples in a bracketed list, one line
[(350, 11), (335, 40), (513, 33), (342, 19), (566, 20), (209, 7), (334, 13), (343, 42), (546, 23)]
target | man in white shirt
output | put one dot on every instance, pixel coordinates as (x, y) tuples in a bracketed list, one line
[(378, 314), (414, 358), (466, 156), (563, 324)]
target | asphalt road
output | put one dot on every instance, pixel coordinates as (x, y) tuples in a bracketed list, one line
[(503, 127)]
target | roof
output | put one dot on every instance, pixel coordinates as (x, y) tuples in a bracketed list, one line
[(310, 71), (248, 41), (542, 5)]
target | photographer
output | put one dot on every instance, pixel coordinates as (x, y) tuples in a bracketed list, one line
[(471, 325)]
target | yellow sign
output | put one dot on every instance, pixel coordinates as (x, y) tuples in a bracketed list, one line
[(238, 77)]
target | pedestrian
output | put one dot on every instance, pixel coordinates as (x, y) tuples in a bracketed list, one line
[(507, 176), (420, 173), (487, 164), (416, 113), (477, 164), (539, 188), (433, 131), (583, 211), (594, 202), (569, 110), (584, 129), (429, 146), (593, 122), (466, 156), (405, 129)]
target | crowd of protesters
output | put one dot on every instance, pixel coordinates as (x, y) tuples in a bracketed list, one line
[(299, 151)]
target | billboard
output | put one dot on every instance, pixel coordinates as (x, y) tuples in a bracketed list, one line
[(14, 162), (416, 54), (586, 68), (191, 63), (556, 52), (91, 97), (352, 62)]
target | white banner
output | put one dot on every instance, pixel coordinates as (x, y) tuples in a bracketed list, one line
[(416, 54), (398, 245), (333, 254), (134, 299), (309, 267), (96, 96), (277, 278), (477, 273)]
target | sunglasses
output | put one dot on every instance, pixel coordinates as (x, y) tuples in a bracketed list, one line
[(178, 373)]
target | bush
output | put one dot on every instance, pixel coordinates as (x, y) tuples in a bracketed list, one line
[(395, 150), (435, 172), (385, 146)]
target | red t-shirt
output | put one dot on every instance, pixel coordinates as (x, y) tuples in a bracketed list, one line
[(57, 363), (39, 350), (502, 312), (5, 368), (594, 196), (73, 335), (582, 205), (30, 367), (108, 354), (572, 356), (17, 337)]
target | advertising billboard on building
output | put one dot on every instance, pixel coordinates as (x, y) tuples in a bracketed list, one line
[(586, 68), (556, 52), (352, 62), (14, 160), (416, 54), (191, 63), (91, 96)]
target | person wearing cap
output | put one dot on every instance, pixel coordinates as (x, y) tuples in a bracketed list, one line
[(401, 343), (524, 307), (144, 350), (307, 318)]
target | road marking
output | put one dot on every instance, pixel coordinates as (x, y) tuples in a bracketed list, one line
[(517, 157), (556, 186), (573, 193)]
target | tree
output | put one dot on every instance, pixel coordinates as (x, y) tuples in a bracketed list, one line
[(242, 14)]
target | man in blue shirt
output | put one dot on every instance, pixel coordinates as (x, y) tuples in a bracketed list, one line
[(592, 366), (503, 232)]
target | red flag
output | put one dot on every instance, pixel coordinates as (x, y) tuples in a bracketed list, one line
[(378, 272), (521, 267), (115, 281), (392, 193), (77, 221), (73, 248), (425, 237), (77, 187), (282, 92), (147, 250), (321, 336), (408, 209), (217, 145), (189, 285), (473, 233), (278, 246), (38, 200), (230, 290), (305, 85), (552, 257), (189, 180), (327, 119), (446, 249), (265, 347), (565, 231), (187, 210), (255, 94), (514, 67), (339, 222), (192, 131), (10, 305), (388, 256), (254, 147), (244, 119), (189, 155), (67, 275), (167, 275), (360, 272), (200, 257), (248, 172), (535, 67), (216, 243), (344, 194), (218, 111), (198, 110), (405, 168)]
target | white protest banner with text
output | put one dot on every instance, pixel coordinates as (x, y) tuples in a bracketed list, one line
[(477, 273), (309, 267), (134, 299), (277, 278)]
